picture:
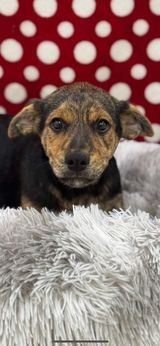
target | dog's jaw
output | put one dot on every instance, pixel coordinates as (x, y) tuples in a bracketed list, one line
[(77, 183), (88, 177), (79, 180)]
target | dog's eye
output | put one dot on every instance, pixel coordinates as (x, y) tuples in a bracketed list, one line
[(102, 126), (57, 124)]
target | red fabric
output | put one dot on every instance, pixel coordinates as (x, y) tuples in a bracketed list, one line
[(84, 29)]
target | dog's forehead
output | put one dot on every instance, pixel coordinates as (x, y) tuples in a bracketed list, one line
[(80, 98), (73, 112)]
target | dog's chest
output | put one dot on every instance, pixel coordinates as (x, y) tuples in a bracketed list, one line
[(64, 202)]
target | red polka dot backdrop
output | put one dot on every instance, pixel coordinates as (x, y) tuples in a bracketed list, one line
[(113, 44)]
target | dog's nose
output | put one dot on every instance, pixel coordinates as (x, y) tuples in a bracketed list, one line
[(77, 161)]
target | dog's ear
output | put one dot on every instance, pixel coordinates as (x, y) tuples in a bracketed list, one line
[(26, 121), (133, 123)]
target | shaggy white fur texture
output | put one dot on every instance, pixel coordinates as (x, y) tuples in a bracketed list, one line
[(139, 165), (86, 276)]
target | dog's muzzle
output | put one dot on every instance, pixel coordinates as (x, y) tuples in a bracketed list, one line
[(77, 161)]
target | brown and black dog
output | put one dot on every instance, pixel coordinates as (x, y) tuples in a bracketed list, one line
[(60, 150)]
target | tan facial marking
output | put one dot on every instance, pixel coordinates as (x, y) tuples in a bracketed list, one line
[(96, 112), (103, 150), (56, 145), (64, 112), (103, 145)]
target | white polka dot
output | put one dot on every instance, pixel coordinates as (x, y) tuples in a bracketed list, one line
[(156, 136), (28, 28), (47, 89), (15, 93), (103, 73), (48, 52), (138, 71), (85, 52), (122, 8), (67, 74), (45, 8), (121, 50), (31, 73), (2, 110), (11, 50), (141, 109), (8, 7), (121, 91), (65, 29), (140, 27), (153, 49), (155, 6), (84, 9), (103, 28), (152, 93), (1, 71)]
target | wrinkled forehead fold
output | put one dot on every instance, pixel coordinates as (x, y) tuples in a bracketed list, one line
[(87, 103), (97, 105), (80, 104), (77, 109)]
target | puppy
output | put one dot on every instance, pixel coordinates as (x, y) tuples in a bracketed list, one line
[(59, 152)]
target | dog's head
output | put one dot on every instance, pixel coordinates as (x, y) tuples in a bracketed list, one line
[(79, 128)]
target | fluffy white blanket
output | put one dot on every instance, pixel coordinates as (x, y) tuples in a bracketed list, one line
[(87, 276), (139, 165)]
